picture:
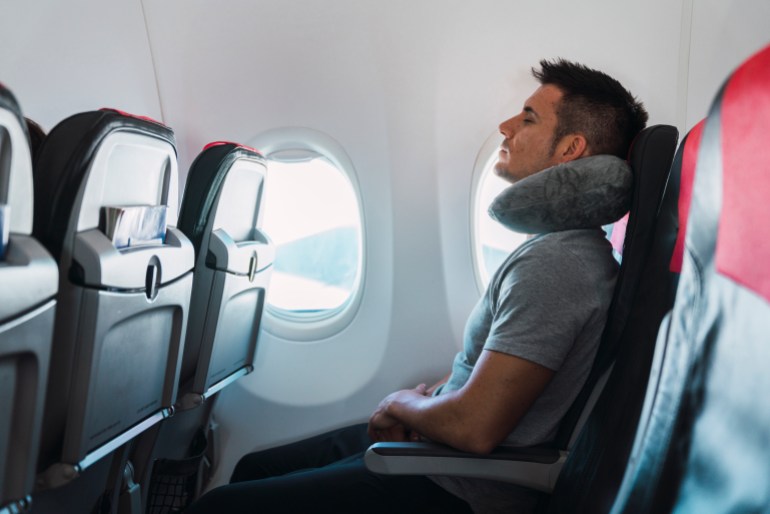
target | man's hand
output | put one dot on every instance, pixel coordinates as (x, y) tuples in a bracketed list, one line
[(474, 418), (383, 427)]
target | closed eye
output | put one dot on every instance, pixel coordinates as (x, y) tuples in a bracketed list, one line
[(530, 115)]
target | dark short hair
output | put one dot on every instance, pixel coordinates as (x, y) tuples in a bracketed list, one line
[(595, 105)]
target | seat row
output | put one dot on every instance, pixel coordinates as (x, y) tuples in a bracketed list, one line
[(113, 315)]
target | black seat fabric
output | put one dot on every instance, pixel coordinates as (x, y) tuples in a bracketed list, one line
[(650, 157), (121, 323), (28, 283), (36, 136), (592, 475), (703, 446)]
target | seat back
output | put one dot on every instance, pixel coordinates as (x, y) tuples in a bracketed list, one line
[(220, 214), (36, 136), (592, 474), (28, 282), (104, 181), (650, 159), (703, 444)]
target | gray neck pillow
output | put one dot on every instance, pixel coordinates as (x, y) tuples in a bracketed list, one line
[(585, 193)]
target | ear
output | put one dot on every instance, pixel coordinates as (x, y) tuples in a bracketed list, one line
[(571, 147)]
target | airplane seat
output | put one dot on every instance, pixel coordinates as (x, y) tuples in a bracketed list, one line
[(28, 284), (106, 187), (591, 477), (650, 157), (539, 467), (36, 136), (220, 214), (702, 445)]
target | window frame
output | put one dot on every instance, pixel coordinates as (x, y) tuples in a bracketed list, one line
[(484, 158), (317, 325)]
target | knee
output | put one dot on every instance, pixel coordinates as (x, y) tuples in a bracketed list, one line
[(241, 472), (213, 501)]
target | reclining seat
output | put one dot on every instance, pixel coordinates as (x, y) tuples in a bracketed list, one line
[(28, 283), (104, 181), (702, 443), (591, 477), (220, 214), (538, 468)]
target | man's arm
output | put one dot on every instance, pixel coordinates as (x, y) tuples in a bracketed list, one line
[(475, 418)]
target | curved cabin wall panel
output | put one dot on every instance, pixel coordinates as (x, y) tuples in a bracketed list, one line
[(723, 35)]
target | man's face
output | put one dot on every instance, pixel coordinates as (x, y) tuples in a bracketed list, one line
[(528, 143)]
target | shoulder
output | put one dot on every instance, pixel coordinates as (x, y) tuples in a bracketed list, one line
[(572, 255)]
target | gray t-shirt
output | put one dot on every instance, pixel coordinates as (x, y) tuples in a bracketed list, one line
[(547, 303)]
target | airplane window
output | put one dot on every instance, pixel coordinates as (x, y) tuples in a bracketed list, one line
[(311, 213), (492, 242)]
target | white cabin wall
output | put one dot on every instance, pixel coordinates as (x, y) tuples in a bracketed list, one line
[(61, 58), (724, 33)]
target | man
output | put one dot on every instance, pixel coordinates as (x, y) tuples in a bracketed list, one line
[(528, 344)]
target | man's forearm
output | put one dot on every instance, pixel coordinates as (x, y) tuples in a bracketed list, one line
[(442, 419), (476, 417)]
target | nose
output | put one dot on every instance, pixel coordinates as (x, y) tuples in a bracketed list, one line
[(507, 127)]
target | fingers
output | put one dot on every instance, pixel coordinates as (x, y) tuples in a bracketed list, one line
[(396, 433), (372, 433)]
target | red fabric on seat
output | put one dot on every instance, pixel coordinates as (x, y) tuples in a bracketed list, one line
[(220, 143), (131, 115), (687, 178), (743, 248)]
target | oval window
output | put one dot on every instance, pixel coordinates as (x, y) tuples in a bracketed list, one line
[(492, 242), (312, 212), (312, 215)]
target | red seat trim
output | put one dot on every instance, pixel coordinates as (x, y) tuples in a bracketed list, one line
[(743, 245)]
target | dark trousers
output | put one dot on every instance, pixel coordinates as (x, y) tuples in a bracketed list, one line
[(325, 473)]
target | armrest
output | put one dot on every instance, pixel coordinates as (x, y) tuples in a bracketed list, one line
[(536, 468)]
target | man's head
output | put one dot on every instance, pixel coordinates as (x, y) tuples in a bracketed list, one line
[(576, 112)]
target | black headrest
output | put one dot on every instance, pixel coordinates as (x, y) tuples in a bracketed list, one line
[(204, 184), (65, 157), (650, 157), (8, 102), (36, 137)]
